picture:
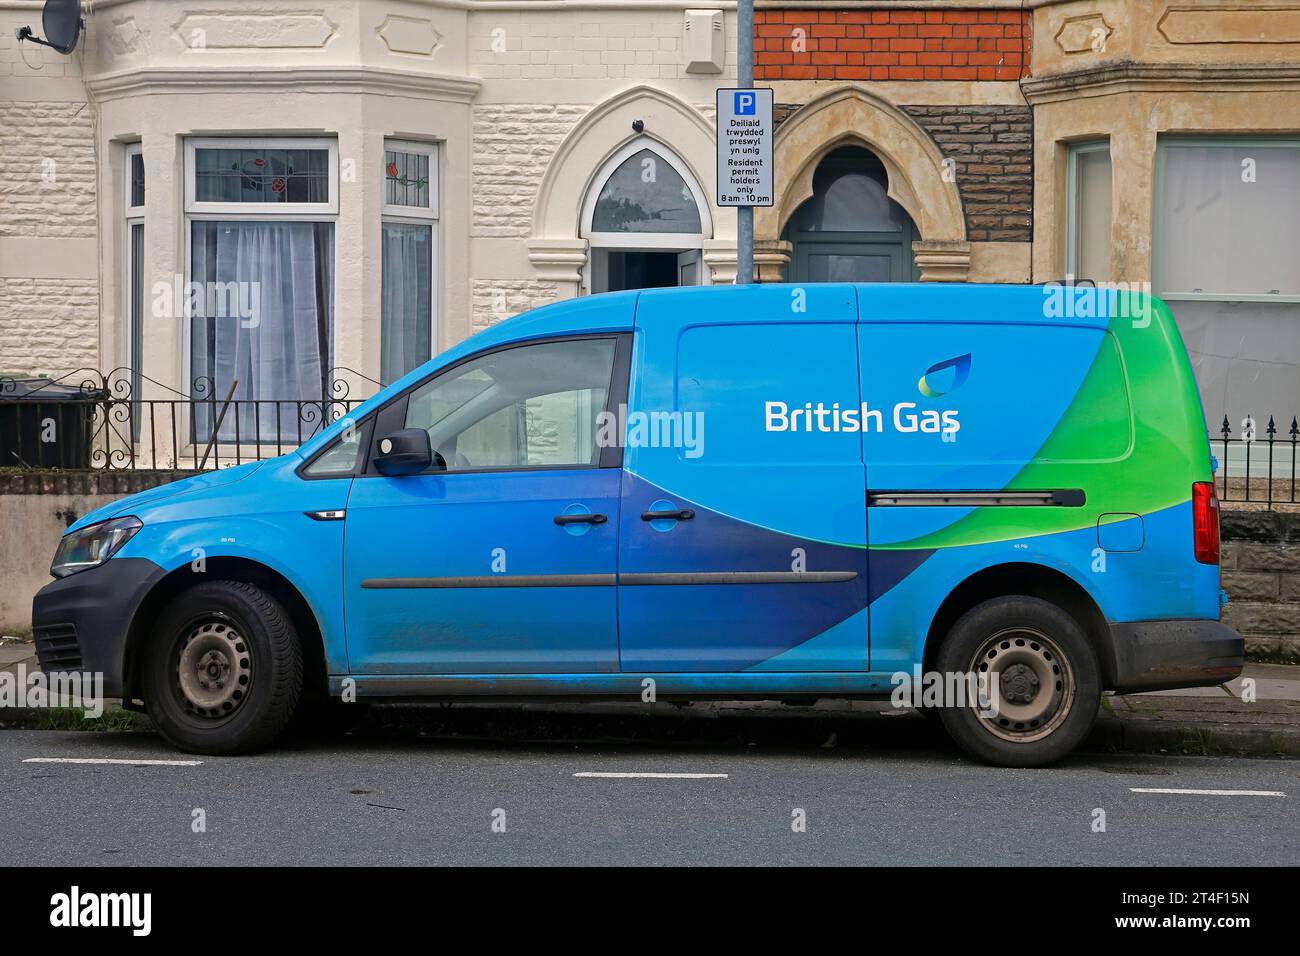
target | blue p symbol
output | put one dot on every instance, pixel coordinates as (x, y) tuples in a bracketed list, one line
[(745, 104)]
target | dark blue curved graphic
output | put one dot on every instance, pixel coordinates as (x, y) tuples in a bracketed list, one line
[(732, 627)]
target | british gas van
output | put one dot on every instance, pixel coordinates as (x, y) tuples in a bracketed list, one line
[(757, 492)]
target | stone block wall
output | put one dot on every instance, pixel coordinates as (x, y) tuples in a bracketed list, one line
[(1261, 573)]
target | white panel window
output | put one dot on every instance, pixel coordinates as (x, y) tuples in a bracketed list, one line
[(1088, 212), (409, 236), (1226, 235), (1229, 219), (261, 216)]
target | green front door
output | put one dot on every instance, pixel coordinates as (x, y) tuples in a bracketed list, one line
[(847, 260), (849, 229)]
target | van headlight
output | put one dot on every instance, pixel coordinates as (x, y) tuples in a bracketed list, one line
[(92, 545)]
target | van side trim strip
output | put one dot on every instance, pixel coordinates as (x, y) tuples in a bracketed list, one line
[(1059, 498), (497, 581), (737, 577), (609, 580)]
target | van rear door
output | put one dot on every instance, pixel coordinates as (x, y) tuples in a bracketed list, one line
[(993, 426), (742, 528)]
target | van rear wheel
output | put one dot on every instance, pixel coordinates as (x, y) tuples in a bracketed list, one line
[(1038, 675), (224, 669)]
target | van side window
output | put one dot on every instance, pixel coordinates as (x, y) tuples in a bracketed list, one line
[(340, 458), (529, 406)]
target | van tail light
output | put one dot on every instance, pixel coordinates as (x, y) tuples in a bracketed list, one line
[(1205, 521)]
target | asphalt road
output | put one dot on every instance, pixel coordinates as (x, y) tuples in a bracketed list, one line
[(417, 798)]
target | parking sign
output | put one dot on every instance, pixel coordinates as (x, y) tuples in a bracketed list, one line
[(744, 147)]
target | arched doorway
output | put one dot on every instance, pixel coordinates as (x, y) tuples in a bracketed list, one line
[(645, 219), (850, 229)]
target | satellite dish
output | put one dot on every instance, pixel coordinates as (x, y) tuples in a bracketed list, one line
[(62, 23)]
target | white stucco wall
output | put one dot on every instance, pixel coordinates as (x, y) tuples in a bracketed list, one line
[(503, 90), (49, 299)]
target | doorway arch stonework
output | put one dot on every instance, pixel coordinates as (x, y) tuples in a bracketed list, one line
[(919, 179), (556, 247)]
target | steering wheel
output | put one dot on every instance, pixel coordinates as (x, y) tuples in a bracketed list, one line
[(455, 460)]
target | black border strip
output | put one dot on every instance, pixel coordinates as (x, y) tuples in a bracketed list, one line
[(609, 580), (737, 577), (952, 498), (496, 581)]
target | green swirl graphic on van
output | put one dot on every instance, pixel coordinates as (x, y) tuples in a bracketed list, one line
[(961, 371)]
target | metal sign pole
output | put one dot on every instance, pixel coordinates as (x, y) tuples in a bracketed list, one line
[(745, 80)]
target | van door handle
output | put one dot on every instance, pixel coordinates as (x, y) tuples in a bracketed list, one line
[(580, 519), (686, 514)]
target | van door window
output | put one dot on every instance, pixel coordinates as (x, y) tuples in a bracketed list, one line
[(342, 457), (529, 406)]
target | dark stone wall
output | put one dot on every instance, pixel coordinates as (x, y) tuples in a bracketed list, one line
[(992, 149)]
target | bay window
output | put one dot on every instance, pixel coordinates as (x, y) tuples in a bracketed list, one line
[(407, 312), (260, 296), (1226, 230)]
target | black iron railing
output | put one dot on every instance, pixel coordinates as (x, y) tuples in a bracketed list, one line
[(124, 420), (1258, 468)]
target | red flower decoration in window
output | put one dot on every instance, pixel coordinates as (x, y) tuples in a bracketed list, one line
[(392, 170), (277, 185)]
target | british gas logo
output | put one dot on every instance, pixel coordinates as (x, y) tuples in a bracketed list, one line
[(935, 382), (905, 417)]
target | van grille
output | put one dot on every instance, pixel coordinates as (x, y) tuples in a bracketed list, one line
[(57, 648)]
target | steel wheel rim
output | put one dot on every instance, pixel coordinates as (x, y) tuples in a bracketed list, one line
[(214, 669), (1036, 687)]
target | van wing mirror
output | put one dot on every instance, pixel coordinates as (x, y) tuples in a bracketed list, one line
[(406, 452)]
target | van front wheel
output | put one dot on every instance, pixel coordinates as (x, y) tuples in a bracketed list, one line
[(1037, 677), (223, 672)]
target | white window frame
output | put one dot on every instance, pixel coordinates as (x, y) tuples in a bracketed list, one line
[(129, 152), (132, 216), (645, 240), (253, 212), (598, 242), (1071, 218), (419, 215), (413, 212), (1203, 140)]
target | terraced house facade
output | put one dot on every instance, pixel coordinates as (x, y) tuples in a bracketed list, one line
[(226, 198)]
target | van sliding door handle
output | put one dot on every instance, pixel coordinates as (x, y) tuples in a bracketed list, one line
[(580, 519), (684, 515)]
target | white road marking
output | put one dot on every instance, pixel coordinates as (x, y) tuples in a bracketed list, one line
[(108, 760), (1211, 793), (623, 775)]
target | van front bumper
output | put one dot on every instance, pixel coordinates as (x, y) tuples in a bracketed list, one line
[(81, 623), (1160, 655)]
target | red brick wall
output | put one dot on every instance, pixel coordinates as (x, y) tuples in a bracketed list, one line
[(892, 44)]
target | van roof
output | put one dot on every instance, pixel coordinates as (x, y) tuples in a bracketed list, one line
[(952, 302), (915, 302), (1006, 304)]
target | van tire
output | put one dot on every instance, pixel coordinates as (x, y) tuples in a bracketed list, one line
[(1050, 685), (224, 669)]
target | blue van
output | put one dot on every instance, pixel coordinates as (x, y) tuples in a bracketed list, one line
[(764, 491)]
